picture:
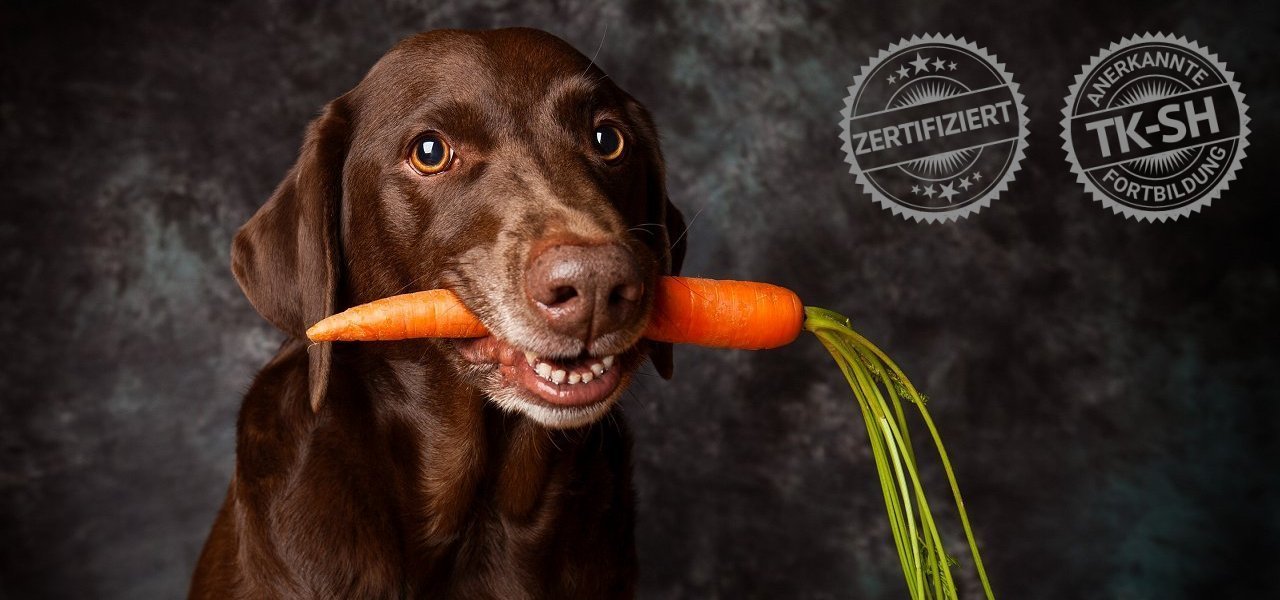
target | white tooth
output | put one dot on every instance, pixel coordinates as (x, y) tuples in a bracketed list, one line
[(574, 378), (557, 376), (544, 370), (608, 362), (530, 358), (587, 377), (597, 368)]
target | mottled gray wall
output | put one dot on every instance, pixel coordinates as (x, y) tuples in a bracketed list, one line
[(1108, 389)]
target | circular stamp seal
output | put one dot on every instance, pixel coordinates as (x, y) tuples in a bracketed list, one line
[(934, 128), (1155, 127)]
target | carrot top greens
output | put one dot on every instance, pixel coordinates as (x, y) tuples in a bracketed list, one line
[(880, 388)]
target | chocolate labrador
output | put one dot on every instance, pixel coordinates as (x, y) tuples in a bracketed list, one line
[(505, 166)]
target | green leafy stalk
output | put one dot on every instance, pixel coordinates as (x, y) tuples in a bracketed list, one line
[(880, 388)]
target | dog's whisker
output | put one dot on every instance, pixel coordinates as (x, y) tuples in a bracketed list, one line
[(692, 220), (450, 266), (644, 403), (551, 437), (643, 226), (617, 426), (598, 48), (410, 284)]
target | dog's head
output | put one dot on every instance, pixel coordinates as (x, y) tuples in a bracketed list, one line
[(502, 165)]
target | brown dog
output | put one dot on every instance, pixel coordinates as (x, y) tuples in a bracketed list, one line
[(502, 165)]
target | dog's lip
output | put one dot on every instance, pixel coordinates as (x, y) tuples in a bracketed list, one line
[(598, 389), (488, 350), (521, 369)]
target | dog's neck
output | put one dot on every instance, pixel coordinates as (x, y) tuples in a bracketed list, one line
[(451, 451), (409, 473)]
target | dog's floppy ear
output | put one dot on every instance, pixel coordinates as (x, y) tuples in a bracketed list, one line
[(675, 226), (286, 258), (673, 239)]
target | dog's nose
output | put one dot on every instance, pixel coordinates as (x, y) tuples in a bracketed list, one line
[(585, 291)]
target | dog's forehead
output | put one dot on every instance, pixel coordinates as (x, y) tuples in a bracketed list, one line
[(494, 66)]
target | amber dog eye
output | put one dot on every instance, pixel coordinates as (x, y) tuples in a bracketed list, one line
[(431, 154), (608, 142)]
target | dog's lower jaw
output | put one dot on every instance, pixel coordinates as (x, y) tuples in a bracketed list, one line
[(511, 398), (578, 393)]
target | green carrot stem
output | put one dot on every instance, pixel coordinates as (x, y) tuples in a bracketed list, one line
[(870, 395), (867, 369), (897, 524)]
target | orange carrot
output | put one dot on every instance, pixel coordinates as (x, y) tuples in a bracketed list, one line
[(433, 313), (706, 312), (724, 314)]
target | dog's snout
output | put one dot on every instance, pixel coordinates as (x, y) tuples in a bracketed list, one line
[(585, 291)]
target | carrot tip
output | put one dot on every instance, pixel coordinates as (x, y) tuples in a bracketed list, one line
[(321, 332)]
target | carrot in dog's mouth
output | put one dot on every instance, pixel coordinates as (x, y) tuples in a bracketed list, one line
[(727, 314)]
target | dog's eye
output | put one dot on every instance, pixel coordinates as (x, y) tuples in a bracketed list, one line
[(431, 154), (608, 142)]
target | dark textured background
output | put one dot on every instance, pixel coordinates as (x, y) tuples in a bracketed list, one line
[(1108, 388)]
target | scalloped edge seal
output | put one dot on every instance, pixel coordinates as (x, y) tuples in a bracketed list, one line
[(960, 212), (1116, 206)]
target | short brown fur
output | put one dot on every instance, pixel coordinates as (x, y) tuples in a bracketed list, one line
[(385, 470)]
